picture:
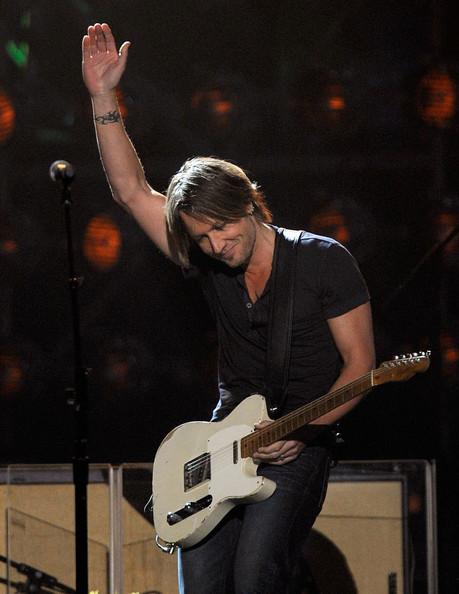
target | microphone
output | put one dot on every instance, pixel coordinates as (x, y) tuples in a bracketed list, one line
[(62, 171)]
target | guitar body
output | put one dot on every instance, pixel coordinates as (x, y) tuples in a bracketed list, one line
[(199, 474)]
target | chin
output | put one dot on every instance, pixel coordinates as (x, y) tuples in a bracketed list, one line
[(232, 263)]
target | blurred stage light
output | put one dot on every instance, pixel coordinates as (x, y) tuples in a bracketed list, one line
[(445, 222), (449, 355), (415, 503), (11, 374), (331, 223), (347, 220), (8, 245), (122, 364), (102, 242), (335, 98), (121, 103), (215, 104), (18, 52), (25, 19), (117, 369), (436, 97), (7, 117), (319, 100)]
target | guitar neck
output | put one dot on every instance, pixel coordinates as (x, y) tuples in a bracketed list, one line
[(307, 413)]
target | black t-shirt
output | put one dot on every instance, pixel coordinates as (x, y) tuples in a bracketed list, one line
[(328, 284)]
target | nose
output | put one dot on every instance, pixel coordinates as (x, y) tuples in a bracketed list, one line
[(217, 244)]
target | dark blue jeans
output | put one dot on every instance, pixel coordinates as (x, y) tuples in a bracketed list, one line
[(254, 548)]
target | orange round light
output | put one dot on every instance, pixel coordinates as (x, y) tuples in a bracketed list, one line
[(7, 117), (216, 103), (335, 98), (331, 223), (8, 246), (102, 242), (11, 374), (117, 369), (449, 354), (436, 97)]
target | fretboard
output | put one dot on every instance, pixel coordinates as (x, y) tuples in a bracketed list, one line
[(300, 417)]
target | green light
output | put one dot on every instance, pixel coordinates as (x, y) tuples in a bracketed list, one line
[(26, 19), (18, 52)]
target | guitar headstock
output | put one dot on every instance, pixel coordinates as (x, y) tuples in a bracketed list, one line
[(401, 368)]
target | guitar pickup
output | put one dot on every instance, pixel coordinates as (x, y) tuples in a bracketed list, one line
[(196, 471), (189, 509)]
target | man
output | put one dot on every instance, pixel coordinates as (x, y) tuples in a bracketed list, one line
[(214, 218)]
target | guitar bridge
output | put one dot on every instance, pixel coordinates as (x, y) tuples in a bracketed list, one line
[(190, 508), (196, 471)]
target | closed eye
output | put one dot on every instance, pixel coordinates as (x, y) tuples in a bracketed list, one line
[(215, 227)]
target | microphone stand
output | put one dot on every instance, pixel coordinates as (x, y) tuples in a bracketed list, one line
[(79, 400), (38, 582)]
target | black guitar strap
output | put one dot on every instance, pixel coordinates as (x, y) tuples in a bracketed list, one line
[(281, 319)]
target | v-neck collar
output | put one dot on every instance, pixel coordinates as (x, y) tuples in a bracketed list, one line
[(240, 277)]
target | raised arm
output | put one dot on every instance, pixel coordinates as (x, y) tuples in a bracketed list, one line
[(103, 67)]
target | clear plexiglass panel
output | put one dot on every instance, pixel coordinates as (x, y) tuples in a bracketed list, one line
[(40, 533)]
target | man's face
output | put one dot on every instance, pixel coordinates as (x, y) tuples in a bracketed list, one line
[(231, 243)]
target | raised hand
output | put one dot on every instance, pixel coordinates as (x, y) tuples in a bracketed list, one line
[(102, 64)]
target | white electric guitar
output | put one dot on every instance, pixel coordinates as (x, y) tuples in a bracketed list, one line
[(203, 469)]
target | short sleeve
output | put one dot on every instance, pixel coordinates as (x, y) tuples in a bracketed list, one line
[(342, 285)]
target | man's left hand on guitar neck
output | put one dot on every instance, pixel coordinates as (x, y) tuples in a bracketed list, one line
[(279, 452)]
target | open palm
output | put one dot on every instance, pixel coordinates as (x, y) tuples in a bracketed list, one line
[(102, 65)]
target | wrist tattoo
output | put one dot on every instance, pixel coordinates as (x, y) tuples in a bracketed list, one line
[(111, 117)]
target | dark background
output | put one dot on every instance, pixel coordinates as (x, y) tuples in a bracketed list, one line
[(343, 111)]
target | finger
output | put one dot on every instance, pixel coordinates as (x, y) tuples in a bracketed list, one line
[(86, 48), (92, 41), (100, 39), (268, 456), (260, 455), (282, 460), (275, 459), (282, 449), (290, 449), (262, 424), (288, 454), (274, 448), (124, 52), (109, 39)]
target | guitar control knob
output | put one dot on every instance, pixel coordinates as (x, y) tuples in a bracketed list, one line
[(173, 518)]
